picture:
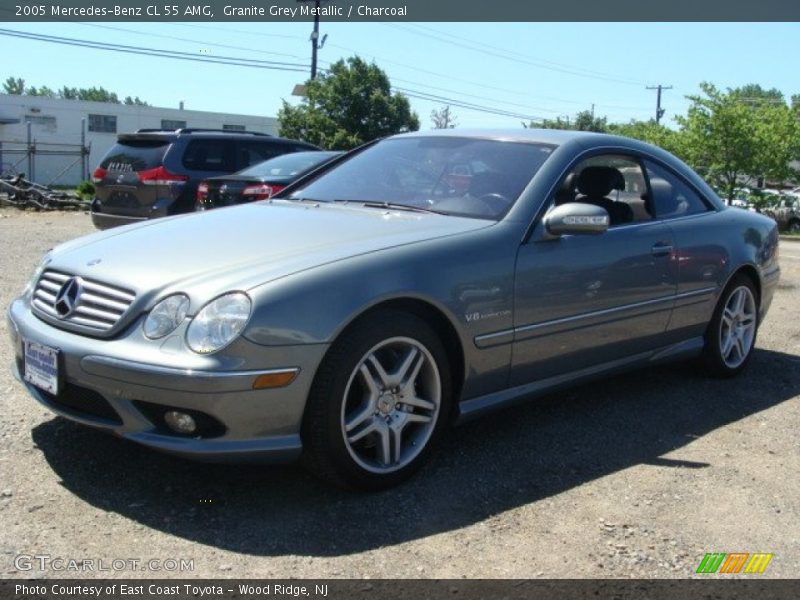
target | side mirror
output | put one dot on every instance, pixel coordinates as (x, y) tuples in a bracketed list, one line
[(576, 218)]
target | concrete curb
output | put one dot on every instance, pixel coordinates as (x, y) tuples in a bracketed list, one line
[(789, 238)]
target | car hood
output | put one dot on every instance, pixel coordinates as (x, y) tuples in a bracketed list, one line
[(241, 247)]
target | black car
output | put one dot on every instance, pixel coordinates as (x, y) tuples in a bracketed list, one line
[(260, 181), (155, 173)]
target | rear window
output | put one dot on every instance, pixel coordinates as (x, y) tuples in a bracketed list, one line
[(288, 164), (135, 156)]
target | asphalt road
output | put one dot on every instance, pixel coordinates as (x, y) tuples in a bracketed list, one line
[(639, 475)]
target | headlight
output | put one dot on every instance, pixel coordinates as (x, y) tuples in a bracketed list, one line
[(37, 273), (218, 323), (166, 316)]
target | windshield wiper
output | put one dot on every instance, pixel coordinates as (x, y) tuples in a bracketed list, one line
[(393, 205)]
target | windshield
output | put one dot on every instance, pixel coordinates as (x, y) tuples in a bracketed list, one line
[(460, 176), (288, 165)]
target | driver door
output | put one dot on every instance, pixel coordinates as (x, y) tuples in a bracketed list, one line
[(587, 300)]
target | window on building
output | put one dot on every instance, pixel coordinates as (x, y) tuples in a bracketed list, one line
[(234, 127), (172, 124), (46, 122), (103, 123)]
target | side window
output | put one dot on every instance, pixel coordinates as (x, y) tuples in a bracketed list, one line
[(172, 124), (671, 196), (254, 152), (209, 155), (613, 182), (103, 123)]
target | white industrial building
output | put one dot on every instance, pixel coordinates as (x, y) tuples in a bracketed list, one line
[(44, 137)]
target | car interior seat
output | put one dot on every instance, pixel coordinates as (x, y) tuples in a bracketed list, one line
[(666, 201), (595, 183), (566, 191)]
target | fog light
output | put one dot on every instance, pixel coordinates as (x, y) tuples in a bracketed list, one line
[(180, 422)]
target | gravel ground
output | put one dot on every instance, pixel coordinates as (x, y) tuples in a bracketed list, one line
[(638, 476)]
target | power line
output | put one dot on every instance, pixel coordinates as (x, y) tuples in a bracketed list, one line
[(467, 105), (192, 41), (222, 60), (526, 61), (416, 68), (591, 72), (234, 61), (283, 66)]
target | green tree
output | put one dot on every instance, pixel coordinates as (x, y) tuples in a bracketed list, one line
[(97, 94), (42, 91), (68, 93), (557, 123), (92, 94), (346, 107), (443, 118), (732, 138), (585, 120), (134, 101), (652, 133), (14, 85), (753, 92)]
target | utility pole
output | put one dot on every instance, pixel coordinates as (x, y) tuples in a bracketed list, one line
[(659, 111), (316, 44)]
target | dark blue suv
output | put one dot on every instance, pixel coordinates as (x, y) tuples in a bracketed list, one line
[(154, 173)]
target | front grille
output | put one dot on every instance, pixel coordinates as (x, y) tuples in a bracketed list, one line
[(98, 306), (83, 402)]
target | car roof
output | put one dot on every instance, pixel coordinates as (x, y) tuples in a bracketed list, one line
[(172, 135), (543, 136)]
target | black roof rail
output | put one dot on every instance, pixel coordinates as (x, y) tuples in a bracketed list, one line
[(200, 130), (154, 130), (204, 130)]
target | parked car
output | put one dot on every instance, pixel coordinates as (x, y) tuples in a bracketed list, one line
[(260, 181), (353, 317), (155, 173), (786, 213)]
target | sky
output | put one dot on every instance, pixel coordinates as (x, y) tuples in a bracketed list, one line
[(527, 70)]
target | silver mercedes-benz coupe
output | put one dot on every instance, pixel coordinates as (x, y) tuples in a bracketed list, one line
[(416, 281)]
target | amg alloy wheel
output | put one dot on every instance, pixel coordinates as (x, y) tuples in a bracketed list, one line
[(732, 332), (391, 405), (378, 403)]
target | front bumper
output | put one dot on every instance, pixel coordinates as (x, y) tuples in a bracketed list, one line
[(106, 384)]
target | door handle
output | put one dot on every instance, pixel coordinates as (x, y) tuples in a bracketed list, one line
[(661, 250)]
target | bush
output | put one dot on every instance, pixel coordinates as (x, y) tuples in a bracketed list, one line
[(86, 189)]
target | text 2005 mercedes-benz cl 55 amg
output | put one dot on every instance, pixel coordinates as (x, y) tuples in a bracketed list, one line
[(419, 279)]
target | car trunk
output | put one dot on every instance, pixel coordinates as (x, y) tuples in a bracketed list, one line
[(227, 191)]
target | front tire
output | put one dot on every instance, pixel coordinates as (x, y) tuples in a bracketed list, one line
[(378, 404), (731, 335)]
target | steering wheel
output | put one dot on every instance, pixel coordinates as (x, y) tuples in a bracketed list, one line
[(496, 203)]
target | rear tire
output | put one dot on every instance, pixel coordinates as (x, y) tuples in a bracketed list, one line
[(731, 334), (378, 404)]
